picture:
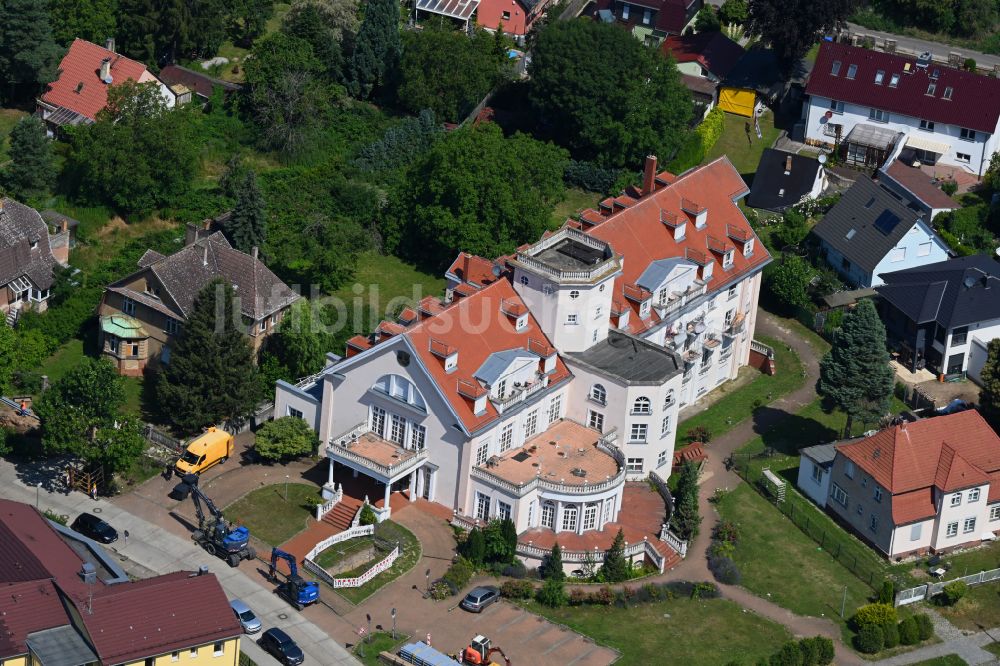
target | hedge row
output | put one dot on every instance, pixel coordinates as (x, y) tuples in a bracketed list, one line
[(622, 597)]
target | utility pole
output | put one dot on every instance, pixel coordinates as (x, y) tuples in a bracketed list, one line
[(843, 604), (394, 624)]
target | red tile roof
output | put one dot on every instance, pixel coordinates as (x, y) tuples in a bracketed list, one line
[(974, 103), (475, 327), (712, 50), (913, 506), (81, 66), (920, 185), (948, 452), (26, 608), (154, 616), (473, 269)]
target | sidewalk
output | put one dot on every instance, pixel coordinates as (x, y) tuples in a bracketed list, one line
[(152, 549)]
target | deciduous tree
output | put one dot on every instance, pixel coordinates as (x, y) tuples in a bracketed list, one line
[(93, 20), (210, 377), (285, 438), (788, 281), (247, 228), (247, 19), (301, 342), (82, 415), (476, 190), (734, 12), (855, 374), (791, 27), (614, 110), (31, 171), (989, 377)]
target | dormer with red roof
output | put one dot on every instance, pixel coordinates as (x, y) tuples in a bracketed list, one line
[(927, 486), (81, 89)]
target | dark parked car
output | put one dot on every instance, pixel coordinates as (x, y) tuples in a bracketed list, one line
[(282, 647), (479, 598), (91, 526)]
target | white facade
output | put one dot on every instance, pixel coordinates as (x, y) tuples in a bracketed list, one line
[(944, 144), (814, 480), (963, 349)]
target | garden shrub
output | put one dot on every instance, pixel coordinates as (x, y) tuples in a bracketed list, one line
[(458, 574), (890, 635), (887, 594), (909, 632), (705, 591), (789, 655), (809, 651), (577, 597), (869, 639), (515, 569), (949, 187), (711, 128), (724, 570), (552, 594), (441, 590), (517, 589), (925, 628), (877, 615), (603, 596), (367, 515), (952, 593), (727, 531), (824, 650), (52, 515), (970, 64), (590, 177)]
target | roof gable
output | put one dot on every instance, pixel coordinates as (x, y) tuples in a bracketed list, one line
[(712, 50), (502, 363), (21, 227), (775, 186), (974, 102), (957, 292)]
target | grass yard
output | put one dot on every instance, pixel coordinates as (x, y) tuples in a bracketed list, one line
[(993, 648), (141, 470), (270, 517), (729, 411), (574, 201), (410, 545), (779, 562), (237, 54), (744, 154), (959, 564), (692, 632), (947, 660), (62, 360), (979, 609), (391, 278), (8, 118), (380, 641), (342, 550)]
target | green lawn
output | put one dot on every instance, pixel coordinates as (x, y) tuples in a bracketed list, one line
[(234, 70), (62, 360), (993, 648), (959, 564), (380, 641), (270, 517), (778, 561), (576, 200), (947, 660), (343, 550), (705, 632), (742, 153), (978, 609), (730, 410), (8, 118), (389, 531), (391, 278)]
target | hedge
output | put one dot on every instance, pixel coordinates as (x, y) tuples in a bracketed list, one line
[(711, 129)]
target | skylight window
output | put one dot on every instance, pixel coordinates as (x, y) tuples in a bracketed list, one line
[(835, 70), (947, 92), (931, 88), (936, 73), (850, 234), (851, 71), (894, 80), (879, 76)]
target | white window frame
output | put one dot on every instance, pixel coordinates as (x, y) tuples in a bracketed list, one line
[(506, 437), (548, 515), (839, 495), (397, 429), (589, 517), (927, 125), (665, 426), (956, 499), (572, 319), (635, 465), (878, 115), (377, 420), (817, 473), (969, 525), (530, 424), (482, 507), (418, 437), (219, 649), (966, 134), (598, 394), (504, 510), (595, 420), (555, 408), (973, 495), (661, 459), (963, 157), (952, 529), (570, 518), (995, 513), (642, 406), (482, 454), (639, 432)]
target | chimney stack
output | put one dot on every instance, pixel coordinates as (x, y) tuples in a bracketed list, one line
[(649, 175), (253, 252), (206, 224), (788, 164), (106, 70), (109, 44), (64, 226), (204, 256)]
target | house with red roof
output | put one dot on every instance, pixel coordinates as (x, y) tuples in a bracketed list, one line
[(649, 20), (517, 17), (874, 104), (80, 90), (928, 486), (66, 601), (545, 379)]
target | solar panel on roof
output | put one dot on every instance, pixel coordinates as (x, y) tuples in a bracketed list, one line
[(886, 222)]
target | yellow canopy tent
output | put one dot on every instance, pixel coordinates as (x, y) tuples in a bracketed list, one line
[(738, 101)]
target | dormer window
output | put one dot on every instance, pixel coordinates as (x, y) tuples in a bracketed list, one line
[(727, 259), (644, 308), (748, 248), (835, 69), (521, 323)]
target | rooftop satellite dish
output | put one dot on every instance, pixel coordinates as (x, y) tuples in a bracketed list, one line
[(821, 159), (997, 252), (969, 281), (496, 271)]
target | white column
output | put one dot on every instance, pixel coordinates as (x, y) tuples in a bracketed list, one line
[(413, 484), (581, 508), (388, 487), (430, 479), (557, 523), (330, 471)]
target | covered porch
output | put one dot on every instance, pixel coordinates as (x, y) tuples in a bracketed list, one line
[(363, 464), (868, 145)]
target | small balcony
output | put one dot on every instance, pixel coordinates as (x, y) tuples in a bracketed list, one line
[(360, 448), (520, 393)]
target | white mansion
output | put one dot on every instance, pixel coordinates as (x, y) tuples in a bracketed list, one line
[(546, 379)]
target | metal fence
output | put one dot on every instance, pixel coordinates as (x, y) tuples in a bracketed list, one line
[(928, 590), (160, 438)]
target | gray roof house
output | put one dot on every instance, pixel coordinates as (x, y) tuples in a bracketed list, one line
[(872, 230), (26, 261), (142, 312)]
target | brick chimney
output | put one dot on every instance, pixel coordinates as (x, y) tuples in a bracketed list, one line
[(253, 252), (788, 164), (204, 256), (106, 70), (649, 175)]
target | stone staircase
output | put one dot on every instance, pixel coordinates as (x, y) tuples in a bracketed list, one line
[(12, 314), (341, 516)]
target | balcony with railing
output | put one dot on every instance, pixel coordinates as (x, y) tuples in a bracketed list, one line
[(519, 393), (361, 447), (568, 458)]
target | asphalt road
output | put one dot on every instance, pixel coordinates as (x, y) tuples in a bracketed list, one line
[(940, 50), (152, 550)]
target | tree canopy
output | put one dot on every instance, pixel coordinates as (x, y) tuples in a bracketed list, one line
[(791, 27), (301, 342), (93, 20), (327, 26), (376, 50), (285, 438), (989, 377), (162, 31), (616, 568), (685, 518), (81, 414), (210, 376), (615, 109), (139, 155), (855, 374), (28, 52), (477, 191), (788, 281), (247, 228), (32, 170)]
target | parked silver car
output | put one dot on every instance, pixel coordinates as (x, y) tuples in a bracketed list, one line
[(479, 598), (246, 617)]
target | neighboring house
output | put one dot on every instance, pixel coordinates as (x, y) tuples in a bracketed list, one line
[(754, 83), (517, 17), (199, 83), (67, 601), (785, 179), (80, 90), (651, 21), (60, 225), (709, 55), (912, 183), (26, 259), (815, 463), (943, 315), (142, 314), (547, 378), (928, 486), (872, 231), (868, 101), (461, 12)]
